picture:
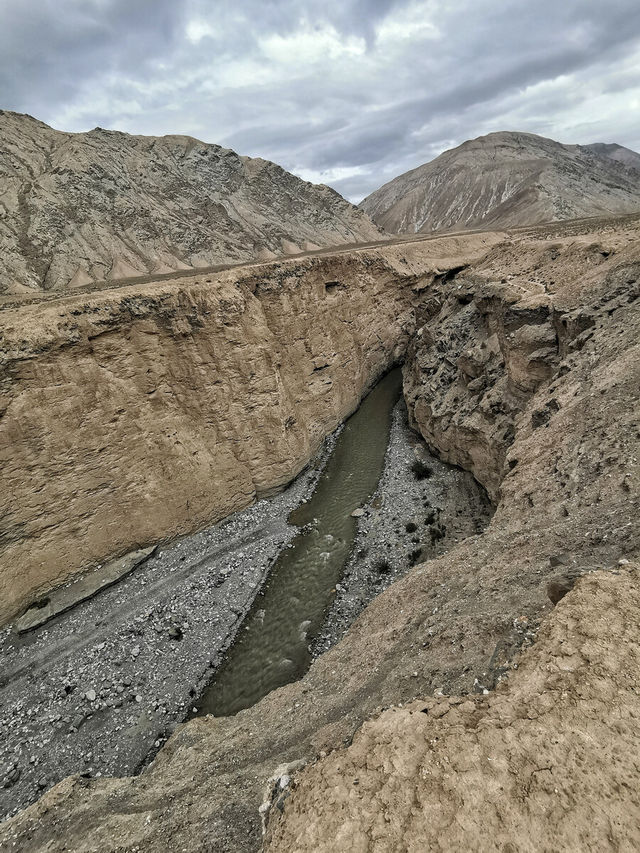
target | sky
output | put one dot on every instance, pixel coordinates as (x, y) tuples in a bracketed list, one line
[(348, 93)]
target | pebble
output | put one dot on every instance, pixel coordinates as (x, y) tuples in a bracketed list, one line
[(11, 778)]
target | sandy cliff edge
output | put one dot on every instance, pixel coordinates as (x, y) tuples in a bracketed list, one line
[(138, 414)]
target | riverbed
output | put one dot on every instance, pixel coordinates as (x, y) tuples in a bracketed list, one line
[(274, 644)]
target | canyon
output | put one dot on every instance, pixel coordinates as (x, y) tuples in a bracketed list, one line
[(134, 414), (472, 704)]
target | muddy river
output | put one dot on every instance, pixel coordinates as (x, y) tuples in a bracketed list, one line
[(273, 647)]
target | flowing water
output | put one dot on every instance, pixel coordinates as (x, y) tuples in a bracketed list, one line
[(272, 648)]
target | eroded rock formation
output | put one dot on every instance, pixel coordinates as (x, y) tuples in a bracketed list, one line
[(145, 412), (487, 347), (569, 496), (526, 768)]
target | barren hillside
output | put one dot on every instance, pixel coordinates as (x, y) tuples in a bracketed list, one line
[(506, 179), (76, 208)]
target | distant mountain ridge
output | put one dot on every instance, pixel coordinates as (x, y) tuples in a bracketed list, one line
[(623, 155), (78, 207), (508, 178)]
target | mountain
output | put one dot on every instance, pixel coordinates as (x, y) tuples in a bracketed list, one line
[(78, 207), (623, 155), (507, 179)]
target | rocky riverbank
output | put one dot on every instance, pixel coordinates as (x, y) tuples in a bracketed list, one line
[(99, 689), (421, 508)]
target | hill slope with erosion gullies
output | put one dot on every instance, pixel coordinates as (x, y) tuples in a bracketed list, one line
[(82, 207), (506, 179), (524, 369)]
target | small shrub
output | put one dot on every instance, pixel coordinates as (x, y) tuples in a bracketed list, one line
[(437, 533), (383, 567), (414, 556), (421, 471), (410, 527)]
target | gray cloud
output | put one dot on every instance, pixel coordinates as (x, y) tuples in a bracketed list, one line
[(351, 94), (49, 51)]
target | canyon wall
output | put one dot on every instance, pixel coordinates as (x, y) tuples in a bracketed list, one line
[(145, 412), (485, 345), (530, 381)]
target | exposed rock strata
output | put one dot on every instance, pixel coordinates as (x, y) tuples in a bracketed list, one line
[(147, 412), (452, 625), (487, 347), (506, 179), (80, 207)]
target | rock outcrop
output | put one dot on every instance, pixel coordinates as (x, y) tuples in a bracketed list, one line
[(138, 414), (506, 179), (81, 207), (452, 627)]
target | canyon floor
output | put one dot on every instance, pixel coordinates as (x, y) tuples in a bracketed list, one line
[(99, 688), (469, 706)]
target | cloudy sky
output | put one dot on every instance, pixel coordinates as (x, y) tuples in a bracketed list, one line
[(344, 92)]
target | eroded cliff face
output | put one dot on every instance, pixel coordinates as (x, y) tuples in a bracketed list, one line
[(489, 345), (139, 414), (452, 626), (532, 383)]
